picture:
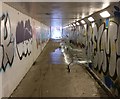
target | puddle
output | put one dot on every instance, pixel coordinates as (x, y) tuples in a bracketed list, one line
[(56, 57)]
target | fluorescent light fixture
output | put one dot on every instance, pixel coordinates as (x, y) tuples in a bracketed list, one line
[(82, 21), (84, 62), (105, 14), (90, 19), (77, 23), (65, 27), (83, 15), (74, 24)]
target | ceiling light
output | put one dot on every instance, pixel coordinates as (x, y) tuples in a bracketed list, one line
[(65, 27), (90, 19), (74, 24), (82, 21), (83, 15), (77, 23), (105, 14)]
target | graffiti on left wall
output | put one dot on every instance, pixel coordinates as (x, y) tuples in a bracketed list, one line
[(6, 42), (36, 35), (23, 38)]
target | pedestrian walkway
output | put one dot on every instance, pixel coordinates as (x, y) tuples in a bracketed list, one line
[(48, 77)]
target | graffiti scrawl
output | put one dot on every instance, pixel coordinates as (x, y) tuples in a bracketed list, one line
[(95, 37), (106, 56), (103, 48), (105, 52), (36, 35), (113, 27), (117, 11), (7, 42), (24, 38)]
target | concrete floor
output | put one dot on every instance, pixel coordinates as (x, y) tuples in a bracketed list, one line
[(49, 78)]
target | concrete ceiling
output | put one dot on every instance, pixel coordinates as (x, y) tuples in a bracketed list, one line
[(58, 13)]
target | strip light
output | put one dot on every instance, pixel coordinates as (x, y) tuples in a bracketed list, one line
[(91, 19), (74, 24), (105, 14), (77, 23), (82, 21)]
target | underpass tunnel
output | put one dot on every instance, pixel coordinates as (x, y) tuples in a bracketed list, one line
[(59, 49)]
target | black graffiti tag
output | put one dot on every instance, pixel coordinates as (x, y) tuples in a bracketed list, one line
[(7, 43)]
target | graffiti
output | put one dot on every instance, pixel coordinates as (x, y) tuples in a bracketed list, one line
[(99, 45), (38, 40), (103, 48), (23, 39), (106, 51), (117, 11), (44, 35), (118, 52), (36, 34), (113, 29), (95, 36), (7, 43), (90, 42)]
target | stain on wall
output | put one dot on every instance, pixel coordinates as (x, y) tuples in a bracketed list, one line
[(7, 42)]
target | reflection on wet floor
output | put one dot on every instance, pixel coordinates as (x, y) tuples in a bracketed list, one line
[(56, 57), (49, 78)]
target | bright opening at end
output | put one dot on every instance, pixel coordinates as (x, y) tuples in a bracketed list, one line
[(56, 32)]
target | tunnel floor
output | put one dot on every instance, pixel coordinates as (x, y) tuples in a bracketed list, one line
[(48, 77)]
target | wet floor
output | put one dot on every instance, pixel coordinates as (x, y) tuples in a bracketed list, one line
[(49, 78)]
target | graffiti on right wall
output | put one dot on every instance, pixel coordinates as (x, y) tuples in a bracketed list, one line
[(104, 51), (102, 46)]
